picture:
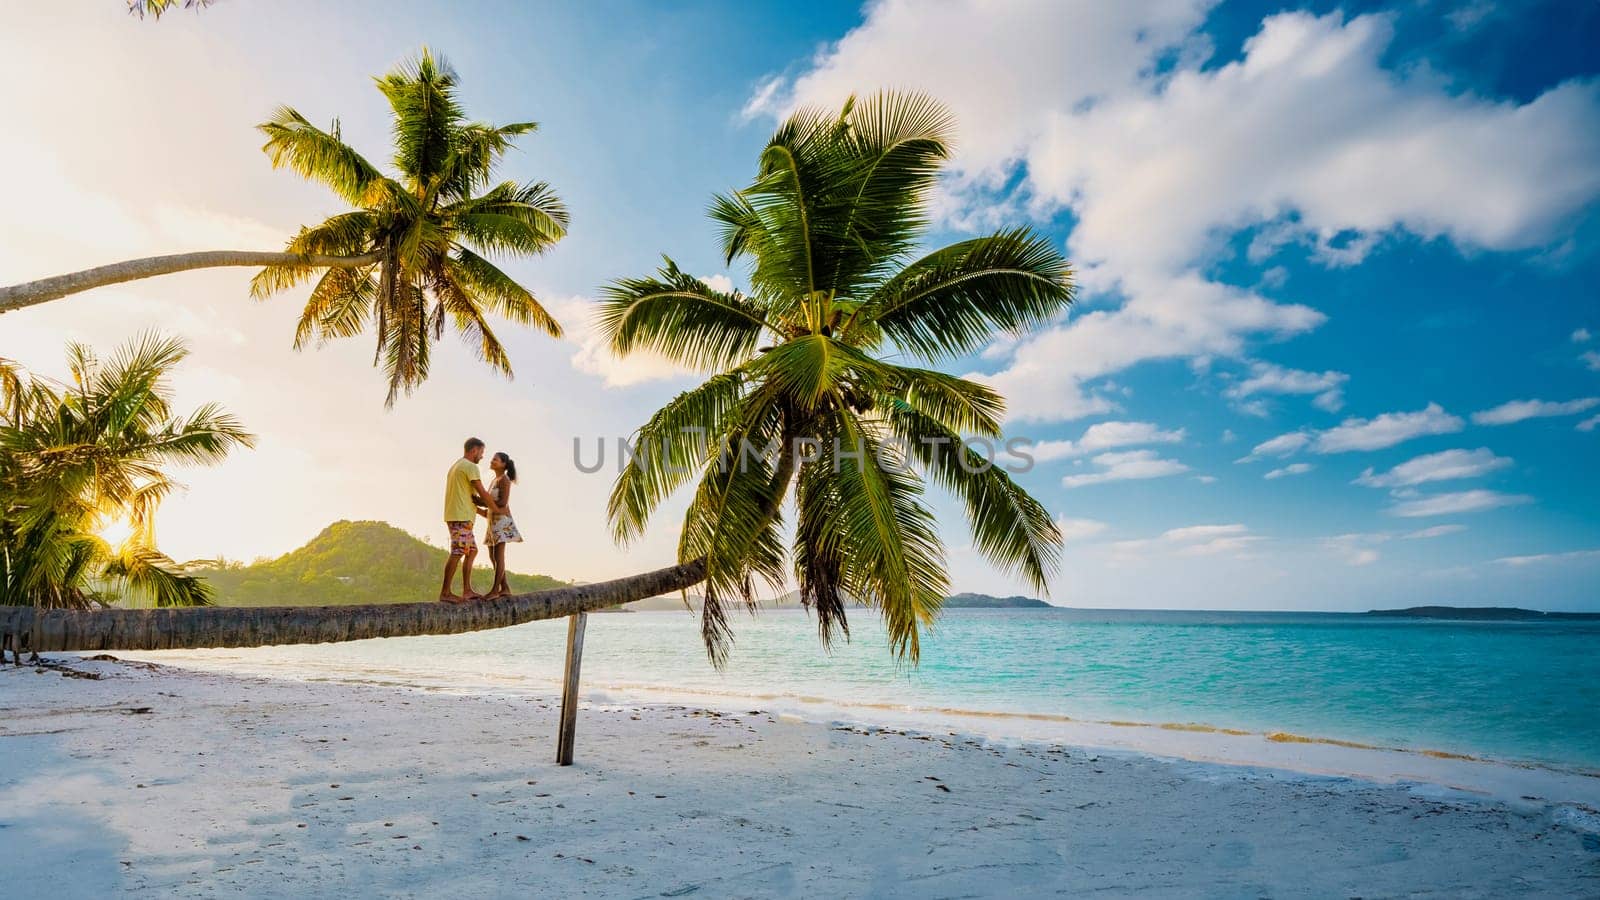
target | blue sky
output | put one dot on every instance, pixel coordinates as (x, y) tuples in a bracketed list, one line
[(1352, 230)]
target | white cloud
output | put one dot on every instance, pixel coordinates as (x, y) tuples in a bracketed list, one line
[(1202, 532), (1591, 358), (1210, 540), (1458, 502), (1471, 14), (1291, 469), (1589, 423), (1270, 378), (1443, 466), (1360, 548), (1357, 549), (1177, 317), (1538, 558), (1126, 466), (1385, 430), (1353, 434), (1580, 336), (1520, 410), (1192, 540), (1074, 530), (1434, 531), (1282, 445), (1308, 133), (1105, 436), (1316, 128)]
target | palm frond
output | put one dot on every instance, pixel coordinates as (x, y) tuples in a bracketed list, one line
[(321, 156), (150, 575), (954, 300), (680, 317), (154, 8), (1009, 527), (12, 390), (467, 316), (886, 536), (809, 368), (500, 293), (205, 437), (347, 234), (891, 156), (421, 92), (820, 556), (405, 341), (674, 446), (473, 153), (339, 307), (956, 403), (790, 202), (524, 219), (733, 522)]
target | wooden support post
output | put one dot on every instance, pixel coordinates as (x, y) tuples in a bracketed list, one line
[(569, 689)]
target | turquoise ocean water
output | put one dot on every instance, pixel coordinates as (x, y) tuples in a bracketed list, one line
[(1508, 691)]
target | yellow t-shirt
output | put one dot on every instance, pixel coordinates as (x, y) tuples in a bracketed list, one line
[(458, 492)]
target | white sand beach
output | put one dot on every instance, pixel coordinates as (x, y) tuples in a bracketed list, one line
[(153, 780)]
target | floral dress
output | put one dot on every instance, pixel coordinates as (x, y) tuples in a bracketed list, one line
[(502, 529)]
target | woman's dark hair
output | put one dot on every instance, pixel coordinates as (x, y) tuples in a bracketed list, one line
[(511, 467)]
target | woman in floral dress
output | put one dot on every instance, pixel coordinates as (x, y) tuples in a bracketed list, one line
[(502, 528)]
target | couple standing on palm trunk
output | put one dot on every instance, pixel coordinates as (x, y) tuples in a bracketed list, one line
[(465, 498)]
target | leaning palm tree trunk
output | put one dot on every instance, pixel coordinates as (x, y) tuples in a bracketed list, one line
[(198, 627), (30, 293), (187, 628)]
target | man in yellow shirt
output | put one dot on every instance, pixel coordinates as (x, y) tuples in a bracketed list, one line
[(463, 494)]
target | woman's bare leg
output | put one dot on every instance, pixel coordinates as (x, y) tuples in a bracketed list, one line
[(498, 554)]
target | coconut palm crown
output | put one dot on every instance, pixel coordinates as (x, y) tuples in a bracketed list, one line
[(810, 389), (76, 456), (429, 229)]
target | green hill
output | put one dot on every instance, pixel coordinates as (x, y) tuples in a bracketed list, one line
[(349, 563)]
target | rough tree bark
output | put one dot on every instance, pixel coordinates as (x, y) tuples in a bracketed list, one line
[(185, 628), (30, 293)]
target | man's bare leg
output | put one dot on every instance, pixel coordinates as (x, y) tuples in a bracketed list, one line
[(467, 593), (445, 594)]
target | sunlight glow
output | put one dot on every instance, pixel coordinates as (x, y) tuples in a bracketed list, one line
[(115, 532)]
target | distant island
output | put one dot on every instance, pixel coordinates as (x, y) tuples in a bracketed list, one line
[(1481, 614), (985, 601), (348, 563)]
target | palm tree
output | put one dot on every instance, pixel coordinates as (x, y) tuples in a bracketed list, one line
[(830, 224), (74, 457), (412, 252), (828, 405)]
